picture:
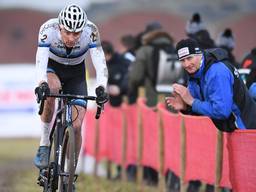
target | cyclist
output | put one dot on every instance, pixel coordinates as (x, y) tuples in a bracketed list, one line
[(63, 44)]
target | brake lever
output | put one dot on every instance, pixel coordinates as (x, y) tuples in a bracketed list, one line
[(41, 104), (100, 108), (41, 108)]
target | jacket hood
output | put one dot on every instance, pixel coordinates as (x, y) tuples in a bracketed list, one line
[(157, 35)]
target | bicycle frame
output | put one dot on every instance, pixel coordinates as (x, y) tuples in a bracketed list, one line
[(50, 177)]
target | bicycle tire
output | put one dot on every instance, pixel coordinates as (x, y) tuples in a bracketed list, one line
[(52, 181), (68, 161), (50, 184)]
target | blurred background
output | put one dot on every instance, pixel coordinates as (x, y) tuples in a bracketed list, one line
[(20, 21)]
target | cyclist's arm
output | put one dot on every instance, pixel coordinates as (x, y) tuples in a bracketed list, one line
[(98, 57), (100, 66), (42, 54)]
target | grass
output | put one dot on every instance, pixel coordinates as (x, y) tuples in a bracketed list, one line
[(16, 155), (13, 149)]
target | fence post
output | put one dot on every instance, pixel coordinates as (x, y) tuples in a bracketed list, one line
[(140, 151), (124, 144), (96, 147), (183, 156), (161, 152), (219, 160), (109, 169)]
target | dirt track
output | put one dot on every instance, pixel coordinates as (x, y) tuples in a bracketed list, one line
[(10, 170), (16, 159)]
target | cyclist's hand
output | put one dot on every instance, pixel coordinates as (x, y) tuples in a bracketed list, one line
[(42, 91), (102, 96)]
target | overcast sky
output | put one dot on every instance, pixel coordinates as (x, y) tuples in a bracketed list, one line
[(45, 5)]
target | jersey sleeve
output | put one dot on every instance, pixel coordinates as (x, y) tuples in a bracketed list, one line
[(99, 62), (98, 57), (42, 53), (94, 35)]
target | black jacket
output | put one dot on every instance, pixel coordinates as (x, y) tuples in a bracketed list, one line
[(117, 69)]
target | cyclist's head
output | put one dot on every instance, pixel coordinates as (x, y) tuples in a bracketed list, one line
[(73, 18)]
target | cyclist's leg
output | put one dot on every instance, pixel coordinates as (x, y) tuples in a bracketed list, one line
[(49, 106), (41, 159), (76, 84), (79, 114)]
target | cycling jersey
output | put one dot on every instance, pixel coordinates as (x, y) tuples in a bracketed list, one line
[(51, 46)]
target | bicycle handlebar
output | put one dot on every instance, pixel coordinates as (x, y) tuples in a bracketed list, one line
[(70, 96)]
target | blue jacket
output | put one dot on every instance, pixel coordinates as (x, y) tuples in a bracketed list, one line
[(213, 91), (217, 89)]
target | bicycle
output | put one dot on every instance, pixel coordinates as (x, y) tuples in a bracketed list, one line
[(60, 173)]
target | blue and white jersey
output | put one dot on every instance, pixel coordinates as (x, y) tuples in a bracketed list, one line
[(50, 45)]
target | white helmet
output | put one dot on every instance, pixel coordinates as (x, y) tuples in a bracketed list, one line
[(73, 18)]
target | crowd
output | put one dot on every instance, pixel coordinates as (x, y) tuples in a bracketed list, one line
[(197, 75), (151, 60)]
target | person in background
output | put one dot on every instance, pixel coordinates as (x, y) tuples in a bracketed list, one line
[(214, 88), (226, 41), (117, 88), (117, 68), (249, 62), (142, 73), (196, 29), (143, 69), (129, 45)]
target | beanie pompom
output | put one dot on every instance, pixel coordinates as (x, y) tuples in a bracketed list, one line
[(194, 24), (226, 39)]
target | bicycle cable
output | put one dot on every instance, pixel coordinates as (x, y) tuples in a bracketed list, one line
[(77, 111)]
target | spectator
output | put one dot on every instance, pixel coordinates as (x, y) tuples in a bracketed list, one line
[(226, 41), (143, 73), (196, 29), (129, 43), (249, 62), (117, 68), (214, 88)]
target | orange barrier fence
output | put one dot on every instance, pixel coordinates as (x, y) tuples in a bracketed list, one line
[(242, 158), (131, 113), (171, 126), (223, 160), (114, 133), (150, 142), (91, 135), (201, 150)]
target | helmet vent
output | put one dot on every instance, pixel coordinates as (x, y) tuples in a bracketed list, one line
[(73, 18)]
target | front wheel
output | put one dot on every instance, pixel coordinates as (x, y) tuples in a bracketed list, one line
[(67, 161)]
